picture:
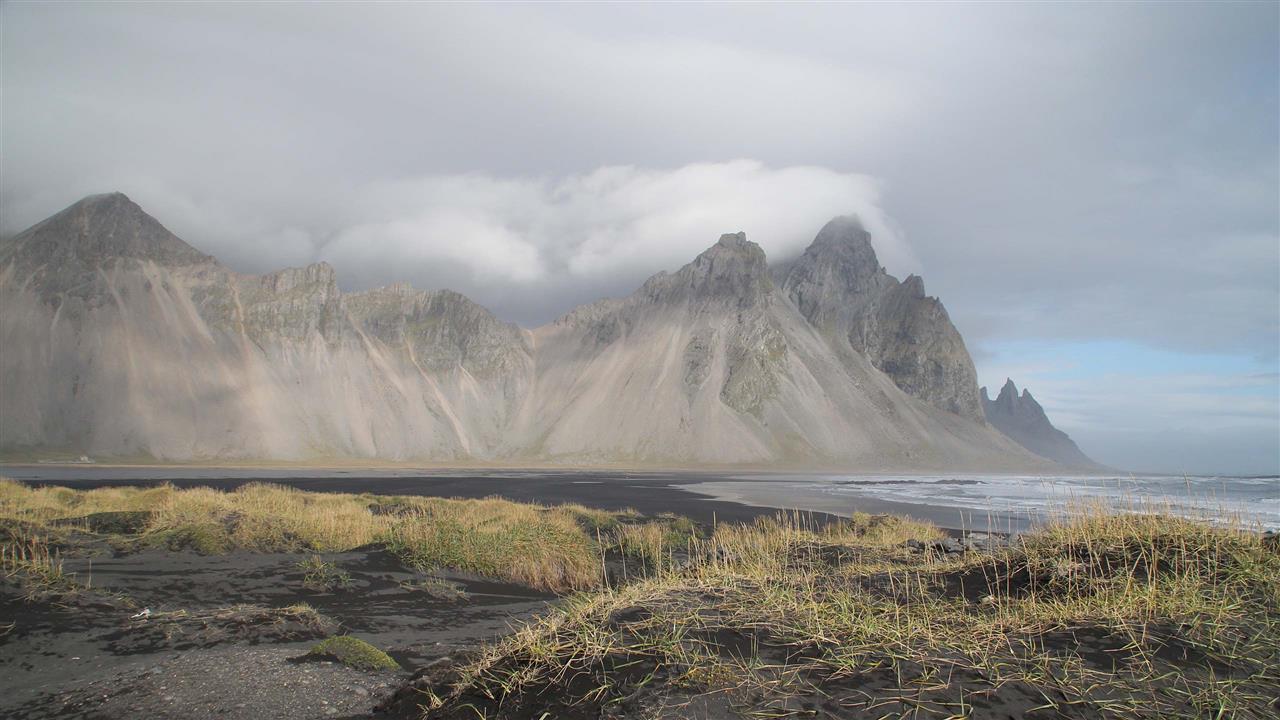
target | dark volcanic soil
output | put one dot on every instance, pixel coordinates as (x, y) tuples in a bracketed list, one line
[(215, 646)]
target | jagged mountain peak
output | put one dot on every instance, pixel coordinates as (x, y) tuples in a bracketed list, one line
[(734, 241), (914, 286), (845, 245), (734, 268), (99, 228), (733, 251), (1013, 401), (840, 287), (843, 229), (126, 347), (1024, 420)]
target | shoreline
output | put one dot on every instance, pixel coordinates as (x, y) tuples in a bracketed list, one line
[(954, 521), (228, 630), (426, 466), (700, 494), (684, 493)]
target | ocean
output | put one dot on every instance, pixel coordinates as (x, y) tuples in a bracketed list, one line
[(1017, 501)]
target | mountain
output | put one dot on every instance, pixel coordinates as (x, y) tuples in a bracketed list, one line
[(840, 287), (1021, 418), (714, 364), (122, 340)]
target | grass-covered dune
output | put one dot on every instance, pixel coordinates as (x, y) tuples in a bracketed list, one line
[(558, 549), (1100, 616), (1096, 615)]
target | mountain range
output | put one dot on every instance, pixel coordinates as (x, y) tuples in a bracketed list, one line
[(121, 340)]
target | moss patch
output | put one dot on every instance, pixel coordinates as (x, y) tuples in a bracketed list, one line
[(353, 652)]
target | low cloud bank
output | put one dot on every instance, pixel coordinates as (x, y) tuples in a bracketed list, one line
[(612, 222), (529, 248)]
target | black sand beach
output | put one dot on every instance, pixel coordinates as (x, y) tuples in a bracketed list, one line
[(177, 631), (92, 659), (700, 496), (647, 493), (87, 660), (208, 649)]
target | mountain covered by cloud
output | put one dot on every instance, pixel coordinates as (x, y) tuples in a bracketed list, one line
[(122, 340), (1096, 194)]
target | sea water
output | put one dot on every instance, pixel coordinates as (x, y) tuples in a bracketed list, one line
[(1251, 501)]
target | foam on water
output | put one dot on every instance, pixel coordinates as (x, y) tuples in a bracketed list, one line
[(1253, 501)]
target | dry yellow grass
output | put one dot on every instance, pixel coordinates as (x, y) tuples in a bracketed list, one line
[(551, 548), (1098, 614)]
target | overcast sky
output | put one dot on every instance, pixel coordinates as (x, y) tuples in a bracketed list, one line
[(1092, 190)]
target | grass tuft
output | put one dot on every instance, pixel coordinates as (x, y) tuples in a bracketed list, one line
[(321, 575)]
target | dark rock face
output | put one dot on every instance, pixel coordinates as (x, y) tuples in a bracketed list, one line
[(1022, 419), (840, 287)]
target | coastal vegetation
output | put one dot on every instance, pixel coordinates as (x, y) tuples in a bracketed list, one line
[(557, 549), (27, 560), (1099, 615), (1096, 613), (321, 575)]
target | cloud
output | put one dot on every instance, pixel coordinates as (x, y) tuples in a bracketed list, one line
[(1062, 176), (481, 242), (611, 226)]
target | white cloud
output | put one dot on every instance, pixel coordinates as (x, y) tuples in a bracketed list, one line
[(595, 227), (480, 242), (1067, 176)]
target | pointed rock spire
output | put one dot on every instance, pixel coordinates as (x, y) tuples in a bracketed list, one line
[(1021, 418)]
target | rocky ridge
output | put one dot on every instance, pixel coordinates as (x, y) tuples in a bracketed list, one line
[(840, 287), (122, 340)]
